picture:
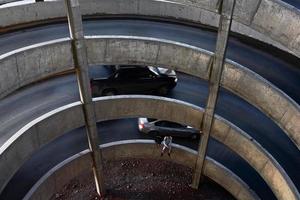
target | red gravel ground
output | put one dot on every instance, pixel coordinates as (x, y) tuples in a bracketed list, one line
[(143, 179)]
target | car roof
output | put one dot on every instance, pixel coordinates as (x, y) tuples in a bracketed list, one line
[(130, 67)]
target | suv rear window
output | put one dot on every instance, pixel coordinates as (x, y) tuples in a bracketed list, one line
[(168, 124), (151, 119), (134, 73)]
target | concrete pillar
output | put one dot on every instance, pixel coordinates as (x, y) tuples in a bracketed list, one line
[(81, 66), (225, 8)]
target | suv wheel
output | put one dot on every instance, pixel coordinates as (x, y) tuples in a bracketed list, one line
[(154, 134), (163, 90), (108, 92), (95, 91)]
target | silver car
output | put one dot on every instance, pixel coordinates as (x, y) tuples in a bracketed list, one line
[(161, 128)]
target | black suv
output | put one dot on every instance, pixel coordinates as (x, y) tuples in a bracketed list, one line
[(127, 79)]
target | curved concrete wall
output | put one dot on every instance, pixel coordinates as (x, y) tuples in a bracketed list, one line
[(195, 61), (150, 51), (7, 1), (272, 18), (29, 64), (252, 18), (36, 134), (61, 174), (223, 131)]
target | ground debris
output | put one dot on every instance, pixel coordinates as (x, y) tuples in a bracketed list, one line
[(142, 179)]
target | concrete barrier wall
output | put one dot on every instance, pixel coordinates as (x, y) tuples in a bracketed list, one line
[(7, 1), (195, 61), (148, 51), (250, 16), (27, 12), (60, 175), (223, 131), (280, 21), (265, 96), (26, 65), (36, 134), (54, 180), (34, 63)]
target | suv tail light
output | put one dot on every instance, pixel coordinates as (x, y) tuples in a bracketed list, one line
[(141, 126)]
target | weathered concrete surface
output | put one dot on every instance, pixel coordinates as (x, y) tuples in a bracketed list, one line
[(195, 61), (150, 51), (252, 18), (280, 21), (7, 1), (222, 130), (265, 96), (26, 65), (108, 108), (215, 73), (34, 135), (30, 12), (37, 133), (61, 174), (82, 73)]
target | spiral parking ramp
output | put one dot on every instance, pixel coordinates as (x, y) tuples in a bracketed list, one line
[(29, 64)]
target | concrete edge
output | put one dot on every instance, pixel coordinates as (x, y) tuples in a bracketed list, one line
[(195, 61), (225, 132), (117, 107), (25, 128), (189, 59), (33, 63), (225, 178), (5, 2), (177, 9), (265, 81), (33, 46), (20, 146), (262, 149), (286, 5), (152, 39)]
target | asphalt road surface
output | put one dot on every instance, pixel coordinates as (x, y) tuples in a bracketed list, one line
[(273, 65), (190, 89), (294, 3), (25, 105)]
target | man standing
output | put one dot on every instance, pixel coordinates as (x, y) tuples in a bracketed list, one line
[(167, 144)]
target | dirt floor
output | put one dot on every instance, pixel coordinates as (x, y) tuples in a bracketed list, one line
[(143, 179)]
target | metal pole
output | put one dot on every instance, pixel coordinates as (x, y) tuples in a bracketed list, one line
[(225, 8), (81, 66)]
